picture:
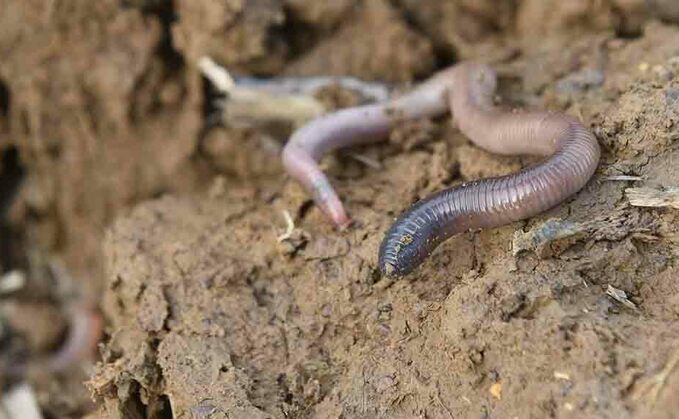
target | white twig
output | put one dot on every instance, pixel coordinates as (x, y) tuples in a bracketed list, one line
[(289, 226), (368, 161), (623, 178), (217, 74)]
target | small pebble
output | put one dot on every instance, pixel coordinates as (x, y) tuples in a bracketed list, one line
[(496, 391), (672, 98), (12, 281)]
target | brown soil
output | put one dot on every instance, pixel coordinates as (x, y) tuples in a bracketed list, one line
[(210, 314)]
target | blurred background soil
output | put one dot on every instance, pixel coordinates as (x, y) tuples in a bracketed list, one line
[(116, 191)]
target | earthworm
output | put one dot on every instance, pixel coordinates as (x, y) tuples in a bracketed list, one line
[(494, 201), (358, 125), (467, 90), (85, 330)]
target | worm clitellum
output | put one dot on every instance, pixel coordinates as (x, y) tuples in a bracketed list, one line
[(467, 90)]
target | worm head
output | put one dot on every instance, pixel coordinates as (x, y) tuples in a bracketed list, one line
[(401, 252)]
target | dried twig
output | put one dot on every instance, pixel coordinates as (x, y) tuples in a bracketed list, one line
[(368, 161), (220, 78), (650, 197), (620, 296), (254, 102), (289, 226), (623, 178), (253, 106)]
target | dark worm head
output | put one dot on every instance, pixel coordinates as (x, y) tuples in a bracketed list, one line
[(405, 247)]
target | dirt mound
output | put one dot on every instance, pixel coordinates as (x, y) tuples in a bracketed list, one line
[(214, 313)]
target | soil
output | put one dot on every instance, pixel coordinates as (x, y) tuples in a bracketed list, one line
[(173, 225)]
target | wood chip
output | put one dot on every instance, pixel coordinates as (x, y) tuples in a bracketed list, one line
[(620, 296), (496, 390), (541, 237), (561, 376), (650, 197)]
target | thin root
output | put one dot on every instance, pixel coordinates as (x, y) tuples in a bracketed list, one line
[(289, 227), (368, 161), (658, 382), (217, 74), (623, 178)]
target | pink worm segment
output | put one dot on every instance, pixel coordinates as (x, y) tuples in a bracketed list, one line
[(359, 125), (84, 333), (85, 330)]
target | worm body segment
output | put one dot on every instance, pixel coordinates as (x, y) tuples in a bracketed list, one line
[(351, 126), (574, 155)]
